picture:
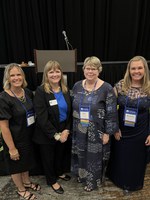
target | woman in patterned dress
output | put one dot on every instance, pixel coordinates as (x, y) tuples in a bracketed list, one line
[(129, 148), (94, 120)]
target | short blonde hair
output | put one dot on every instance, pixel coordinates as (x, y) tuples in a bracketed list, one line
[(6, 83), (93, 61), (146, 78), (52, 65)]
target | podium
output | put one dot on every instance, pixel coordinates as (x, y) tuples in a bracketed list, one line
[(66, 58)]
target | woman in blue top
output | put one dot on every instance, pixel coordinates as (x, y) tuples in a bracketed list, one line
[(52, 105)]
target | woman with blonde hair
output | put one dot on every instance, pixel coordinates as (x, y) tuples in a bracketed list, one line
[(145, 81), (129, 148), (52, 105), (17, 123), (94, 120)]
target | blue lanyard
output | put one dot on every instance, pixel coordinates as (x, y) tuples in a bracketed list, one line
[(21, 102), (127, 98), (83, 92)]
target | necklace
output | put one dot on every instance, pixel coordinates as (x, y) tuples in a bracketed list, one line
[(91, 87), (21, 98)]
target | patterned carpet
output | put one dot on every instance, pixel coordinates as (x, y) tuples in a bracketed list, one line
[(74, 191), (116, 193)]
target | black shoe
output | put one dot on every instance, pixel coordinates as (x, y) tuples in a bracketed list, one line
[(60, 190), (65, 177)]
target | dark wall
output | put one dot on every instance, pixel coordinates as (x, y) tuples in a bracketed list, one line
[(110, 29)]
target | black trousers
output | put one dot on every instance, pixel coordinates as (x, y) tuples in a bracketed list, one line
[(56, 158), (52, 160)]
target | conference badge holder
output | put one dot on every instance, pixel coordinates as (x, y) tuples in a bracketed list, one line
[(30, 115), (84, 115), (130, 116)]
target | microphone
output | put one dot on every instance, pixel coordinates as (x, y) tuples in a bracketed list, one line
[(66, 40), (64, 33)]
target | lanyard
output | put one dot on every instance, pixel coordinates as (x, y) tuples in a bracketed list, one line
[(21, 102), (84, 108), (138, 101), (83, 92), (30, 115), (130, 114)]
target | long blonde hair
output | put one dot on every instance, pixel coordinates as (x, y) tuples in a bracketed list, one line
[(52, 65), (146, 78), (6, 83)]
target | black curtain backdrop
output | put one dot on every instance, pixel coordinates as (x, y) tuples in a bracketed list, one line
[(113, 30)]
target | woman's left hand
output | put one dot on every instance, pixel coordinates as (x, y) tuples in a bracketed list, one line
[(147, 142), (105, 138)]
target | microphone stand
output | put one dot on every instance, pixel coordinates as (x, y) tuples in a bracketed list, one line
[(67, 43), (70, 45)]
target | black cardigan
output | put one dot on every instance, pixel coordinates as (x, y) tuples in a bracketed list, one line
[(47, 117)]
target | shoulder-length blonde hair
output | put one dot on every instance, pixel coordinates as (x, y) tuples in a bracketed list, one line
[(6, 83), (146, 78), (52, 65), (93, 61)]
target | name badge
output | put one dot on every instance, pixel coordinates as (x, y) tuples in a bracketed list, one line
[(30, 118), (130, 116), (84, 115), (53, 102)]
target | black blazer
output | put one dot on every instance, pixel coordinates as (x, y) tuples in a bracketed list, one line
[(47, 117)]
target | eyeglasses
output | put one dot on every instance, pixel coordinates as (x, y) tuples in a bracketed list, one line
[(89, 68)]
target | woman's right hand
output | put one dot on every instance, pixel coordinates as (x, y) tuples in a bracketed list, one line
[(14, 154), (118, 135)]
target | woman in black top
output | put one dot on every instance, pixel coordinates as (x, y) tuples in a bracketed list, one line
[(16, 122), (52, 105)]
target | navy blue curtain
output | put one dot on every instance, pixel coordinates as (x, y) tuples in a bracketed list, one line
[(110, 29)]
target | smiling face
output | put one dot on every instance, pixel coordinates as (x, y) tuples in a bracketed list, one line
[(91, 73), (137, 71), (54, 76), (15, 78)]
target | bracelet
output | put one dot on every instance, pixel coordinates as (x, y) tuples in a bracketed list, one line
[(57, 136), (16, 152)]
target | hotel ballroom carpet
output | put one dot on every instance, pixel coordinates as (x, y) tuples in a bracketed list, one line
[(74, 190)]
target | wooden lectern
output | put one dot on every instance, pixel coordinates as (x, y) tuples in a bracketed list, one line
[(66, 58)]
